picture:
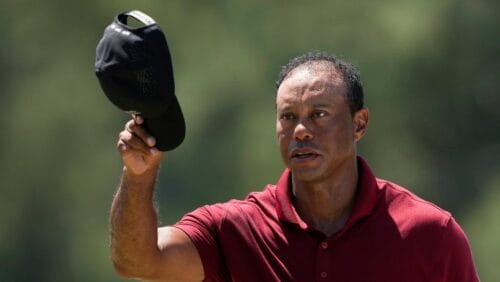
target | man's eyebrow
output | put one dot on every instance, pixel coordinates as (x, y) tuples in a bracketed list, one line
[(283, 108), (322, 105), (288, 107)]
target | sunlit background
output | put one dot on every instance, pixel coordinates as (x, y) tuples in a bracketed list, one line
[(431, 71)]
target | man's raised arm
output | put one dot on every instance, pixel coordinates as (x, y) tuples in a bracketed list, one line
[(138, 248)]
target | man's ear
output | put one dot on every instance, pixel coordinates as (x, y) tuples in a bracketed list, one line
[(361, 118)]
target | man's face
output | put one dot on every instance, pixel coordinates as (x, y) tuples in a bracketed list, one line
[(316, 131)]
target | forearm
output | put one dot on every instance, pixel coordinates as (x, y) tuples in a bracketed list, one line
[(133, 222)]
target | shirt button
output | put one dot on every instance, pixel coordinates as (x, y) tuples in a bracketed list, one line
[(324, 245), (324, 274)]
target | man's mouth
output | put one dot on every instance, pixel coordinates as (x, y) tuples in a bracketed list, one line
[(303, 154)]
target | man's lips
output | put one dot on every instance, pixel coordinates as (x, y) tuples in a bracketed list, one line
[(303, 154)]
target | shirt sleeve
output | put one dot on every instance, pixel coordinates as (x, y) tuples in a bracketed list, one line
[(202, 226), (457, 263)]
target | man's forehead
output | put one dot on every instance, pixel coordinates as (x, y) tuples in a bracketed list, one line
[(312, 79), (312, 102), (315, 69)]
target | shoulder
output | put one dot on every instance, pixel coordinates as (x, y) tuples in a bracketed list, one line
[(412, 215), (255, 204), (418, 219), (431, 232), (401, 201)]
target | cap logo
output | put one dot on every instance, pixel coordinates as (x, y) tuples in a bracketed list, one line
[(119, 29)]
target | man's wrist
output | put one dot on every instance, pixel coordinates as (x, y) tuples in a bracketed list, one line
[(142, 180)]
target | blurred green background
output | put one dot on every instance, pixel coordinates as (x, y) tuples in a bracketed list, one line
[(431, 71)]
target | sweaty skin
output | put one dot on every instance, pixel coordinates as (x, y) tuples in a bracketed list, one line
[(317, 136)]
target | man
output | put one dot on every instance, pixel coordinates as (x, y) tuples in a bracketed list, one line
[(327, 219)]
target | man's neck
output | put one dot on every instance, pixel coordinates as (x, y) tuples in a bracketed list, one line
[(327, 204)]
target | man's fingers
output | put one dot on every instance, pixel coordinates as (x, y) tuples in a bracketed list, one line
[(138, 119), (129, 140), (122, 146), (136, 147), (125, 146), (135, 128)]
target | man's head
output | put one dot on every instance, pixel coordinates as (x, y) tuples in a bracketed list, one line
[(320, 115), (350, 74)]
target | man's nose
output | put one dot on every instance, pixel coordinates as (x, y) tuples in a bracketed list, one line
[(302, 131)]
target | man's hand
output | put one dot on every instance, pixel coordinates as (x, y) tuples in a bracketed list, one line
[(136, 147)]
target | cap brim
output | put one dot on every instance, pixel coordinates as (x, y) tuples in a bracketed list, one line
[(169, 128)]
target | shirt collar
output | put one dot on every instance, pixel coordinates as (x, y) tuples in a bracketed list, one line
[(365, 198)]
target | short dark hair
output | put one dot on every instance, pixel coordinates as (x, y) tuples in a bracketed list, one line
[(349, 72)]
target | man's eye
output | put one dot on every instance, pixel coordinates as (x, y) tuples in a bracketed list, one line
[(287, 116), (319, 114)]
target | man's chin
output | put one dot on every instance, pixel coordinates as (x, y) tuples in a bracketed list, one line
[(306, 174)]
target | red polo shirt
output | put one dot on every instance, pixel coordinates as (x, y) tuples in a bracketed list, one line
[(391, 235)]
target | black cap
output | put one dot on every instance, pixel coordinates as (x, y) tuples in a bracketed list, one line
[(134, 68)]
